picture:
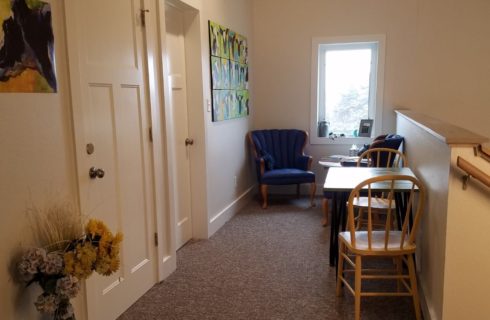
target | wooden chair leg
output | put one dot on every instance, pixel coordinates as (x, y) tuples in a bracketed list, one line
[(399, 270), (263, 191), (413, 286), (340, 268), (297, 190), (325, 212), (312, 194), (357, 289)]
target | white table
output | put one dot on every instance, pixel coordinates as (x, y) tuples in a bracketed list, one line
[(342, 180)]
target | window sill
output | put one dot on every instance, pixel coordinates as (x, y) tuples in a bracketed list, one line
[(341, 140)]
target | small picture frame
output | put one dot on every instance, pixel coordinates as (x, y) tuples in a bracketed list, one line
[(365, 128)]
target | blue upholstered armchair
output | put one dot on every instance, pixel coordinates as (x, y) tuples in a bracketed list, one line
[(280, 159)]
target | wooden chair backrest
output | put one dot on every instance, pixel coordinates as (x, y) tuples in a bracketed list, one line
[(374, 157), (415, 192)]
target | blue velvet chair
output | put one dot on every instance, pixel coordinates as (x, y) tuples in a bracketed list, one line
[(280, 159)]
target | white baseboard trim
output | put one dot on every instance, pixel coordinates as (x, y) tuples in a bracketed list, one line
[(217, 221), (428, 312), (168, 266)]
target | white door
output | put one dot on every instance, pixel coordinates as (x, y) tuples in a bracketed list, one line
[(176, 69), (111, 122)]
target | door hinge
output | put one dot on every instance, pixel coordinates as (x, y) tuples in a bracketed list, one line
[(156, 239), (143, 16), (150, 133)]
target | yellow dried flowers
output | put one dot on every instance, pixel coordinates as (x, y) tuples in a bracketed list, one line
[(98, 250)]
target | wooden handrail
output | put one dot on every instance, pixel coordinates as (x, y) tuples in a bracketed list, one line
[(484, 152), (473, 171)]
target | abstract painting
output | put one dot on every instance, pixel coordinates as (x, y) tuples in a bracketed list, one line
[(26, 47), (229, 73)]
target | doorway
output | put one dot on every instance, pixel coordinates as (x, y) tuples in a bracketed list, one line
[(185, 120)]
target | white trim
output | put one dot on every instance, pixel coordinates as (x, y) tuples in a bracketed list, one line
[(169, 265), (218, 220), (379, 86)]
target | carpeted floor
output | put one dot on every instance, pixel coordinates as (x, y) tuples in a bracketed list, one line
[(263, 264)]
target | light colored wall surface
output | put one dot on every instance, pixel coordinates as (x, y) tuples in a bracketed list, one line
[(227, 150), (37, 166), (429, 158), (436, 58), (452, 269), (466, 280)]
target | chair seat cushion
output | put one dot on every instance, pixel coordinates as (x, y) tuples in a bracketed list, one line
[(377, 244), (287, 176)]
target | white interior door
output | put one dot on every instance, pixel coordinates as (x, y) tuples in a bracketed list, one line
[(175, 45), (111, 120)]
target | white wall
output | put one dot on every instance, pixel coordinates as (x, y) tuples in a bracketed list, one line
[(37, 165), (467, 261), (227, 151), (436, 58), (429, 158), (452, 269)]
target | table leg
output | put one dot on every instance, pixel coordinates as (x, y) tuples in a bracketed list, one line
[(334, 229), (325, 212), (338, 223), (400, 208), (401, 200)]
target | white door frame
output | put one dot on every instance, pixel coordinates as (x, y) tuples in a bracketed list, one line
[(197, 120), (167, 262)]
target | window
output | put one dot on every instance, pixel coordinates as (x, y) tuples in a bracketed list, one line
[(347, 82)]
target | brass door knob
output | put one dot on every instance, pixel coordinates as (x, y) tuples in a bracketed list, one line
[(189, 141)]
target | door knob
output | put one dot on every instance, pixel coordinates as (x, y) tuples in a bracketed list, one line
[(189, 141), (96, 173)]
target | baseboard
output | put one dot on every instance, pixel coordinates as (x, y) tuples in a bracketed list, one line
[(168, 266), (427, 312), (217, 221)]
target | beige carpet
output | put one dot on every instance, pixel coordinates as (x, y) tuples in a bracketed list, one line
[(263, 264)]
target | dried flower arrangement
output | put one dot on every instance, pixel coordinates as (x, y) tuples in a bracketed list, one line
[(68, 254)]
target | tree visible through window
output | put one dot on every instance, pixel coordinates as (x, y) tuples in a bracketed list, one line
[(347, 74), (347, 84)]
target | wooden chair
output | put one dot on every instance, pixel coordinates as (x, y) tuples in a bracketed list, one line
[(378, 157), (354, 245)]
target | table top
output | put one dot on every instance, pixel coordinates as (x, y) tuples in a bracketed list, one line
[(344, 179), (329, 164)]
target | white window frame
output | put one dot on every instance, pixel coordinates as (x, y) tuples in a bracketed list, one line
[(320, 44)]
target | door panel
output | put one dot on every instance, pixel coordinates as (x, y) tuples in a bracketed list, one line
[(110, 111), (115, 36), (175, 45)]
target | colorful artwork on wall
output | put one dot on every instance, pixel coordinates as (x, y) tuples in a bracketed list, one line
[(26, 47), (229, 73)]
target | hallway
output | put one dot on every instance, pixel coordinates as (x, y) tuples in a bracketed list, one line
[(263, 264)]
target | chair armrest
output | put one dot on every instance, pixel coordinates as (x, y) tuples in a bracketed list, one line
[(304, 162), (260, 164)]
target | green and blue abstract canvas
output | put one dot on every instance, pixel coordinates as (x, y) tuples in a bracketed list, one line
[(229, 73)]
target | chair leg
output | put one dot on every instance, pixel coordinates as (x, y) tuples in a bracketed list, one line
[(263, 191), (312, 193), (399, 270), (413, 286), (340, 268), (297, 190), (357, 289), (325, 212)]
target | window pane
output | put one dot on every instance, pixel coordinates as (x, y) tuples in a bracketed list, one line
[(347, 74)]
